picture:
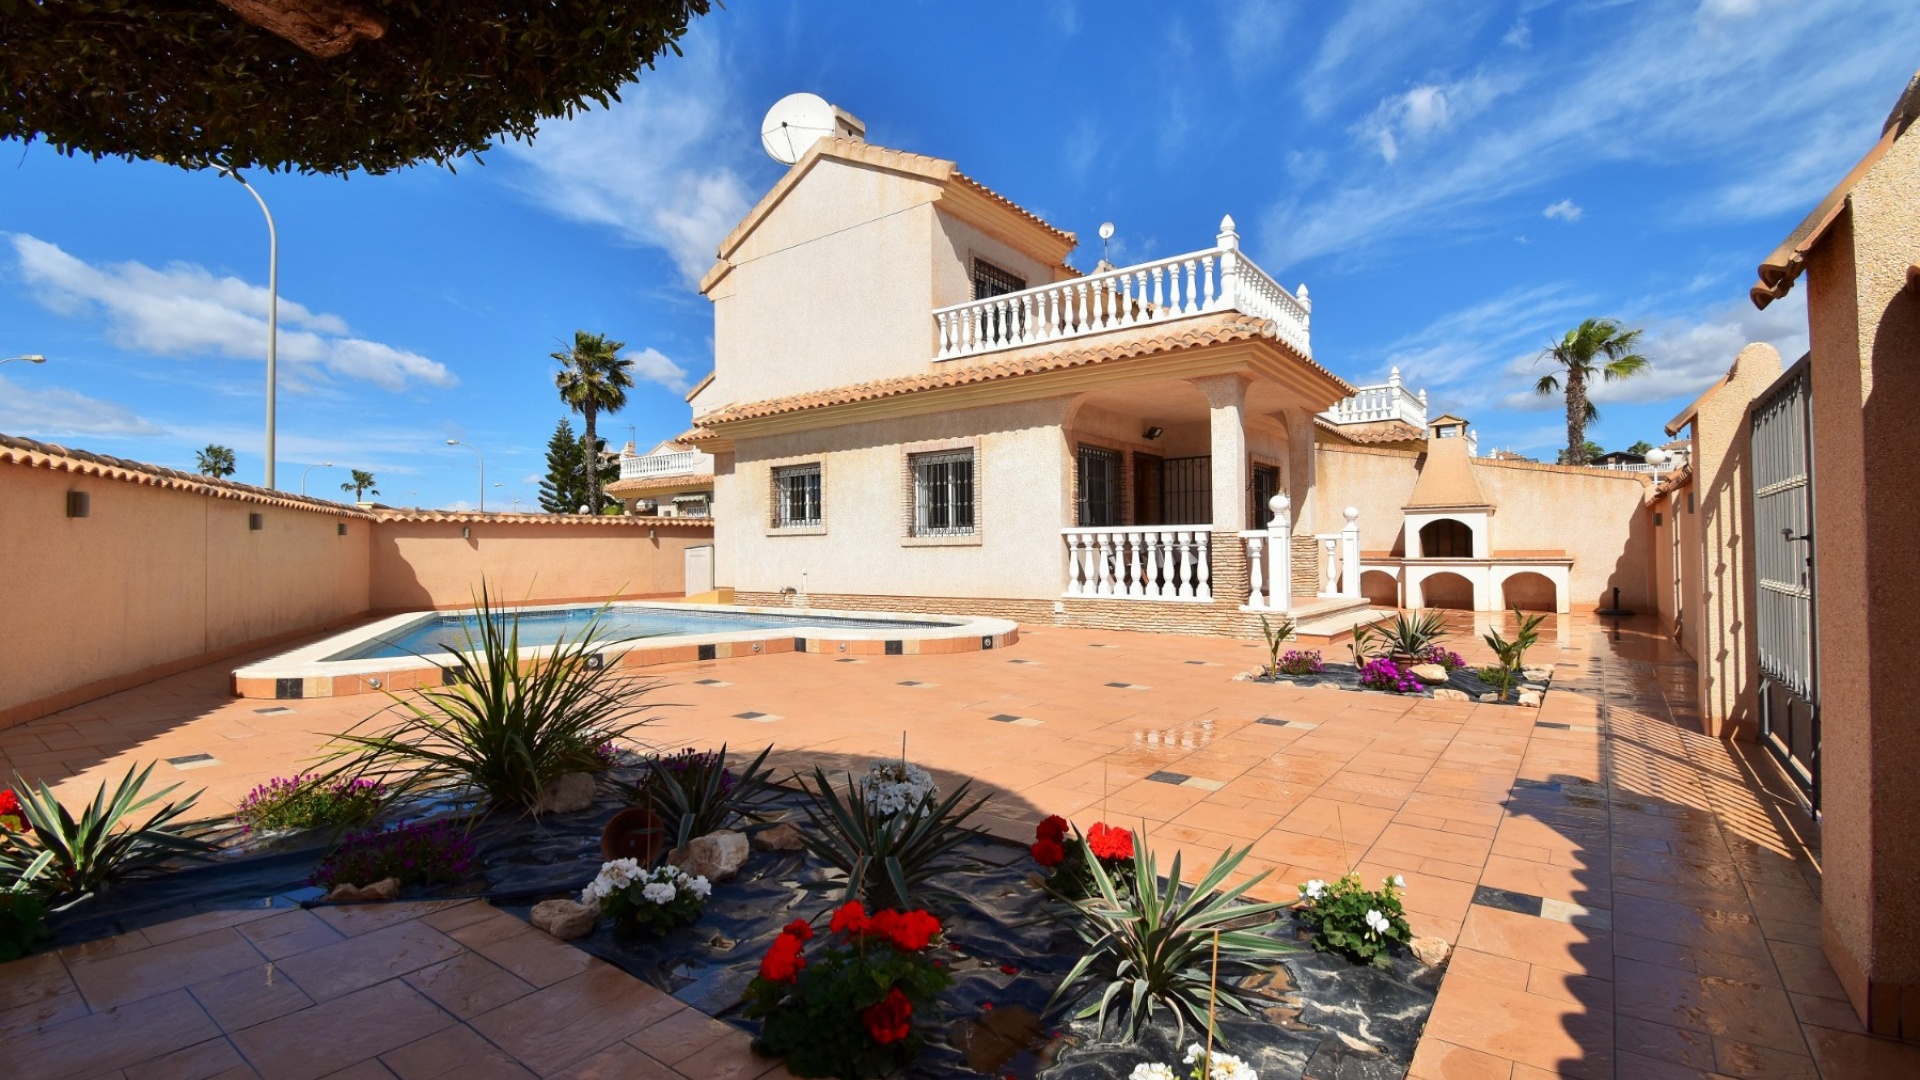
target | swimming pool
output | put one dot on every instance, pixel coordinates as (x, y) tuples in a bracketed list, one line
[(442, 633), (408, 651)]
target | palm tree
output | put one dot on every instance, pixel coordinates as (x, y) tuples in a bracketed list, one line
[(361, 485), (215, 461), (1602, 340), (593, 379)]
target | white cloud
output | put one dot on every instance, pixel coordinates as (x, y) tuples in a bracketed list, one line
[(1451, 357), (661, 168), (184, 310), (651, 365), (1564, 210), (1416, 115), (1520, 35), (1254, 34), (54, 412)]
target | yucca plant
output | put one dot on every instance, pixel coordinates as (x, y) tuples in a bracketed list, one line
[(1414, 634), (1276, 640), (884, 857), (502, 725), (1153, 949), (693, 794), (1513, 654), (100, 846)]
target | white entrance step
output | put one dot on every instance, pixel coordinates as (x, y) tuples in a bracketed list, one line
[(1321, 620)]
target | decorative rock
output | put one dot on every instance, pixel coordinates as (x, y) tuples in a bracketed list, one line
[(1490, 698), (1529, 699), (1431, 674), (565, 919), (573, 791), (782, 837), (1535, 687), (1448, 693), (1328, 686), (1431, 951), (384, 889), (716, 856), (1536, 674)]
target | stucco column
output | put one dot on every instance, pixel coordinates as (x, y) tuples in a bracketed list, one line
[(1300, 478), (1226, 411)]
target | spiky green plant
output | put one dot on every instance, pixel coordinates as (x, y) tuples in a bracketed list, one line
[(695, 800), (1513, 654), (1276, 640), (503, 725), (1412, 634), (884, 858), (1154, 948), (100, 846), (23, 913), (1500, 677)]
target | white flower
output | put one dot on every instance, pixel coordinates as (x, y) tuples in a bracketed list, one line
[(1195, 1053), (1153, 1071), (892, 786), (1376, 922), (1228, 1067), (699, 887), (1315, 889), (1398, 881), (659, 892)]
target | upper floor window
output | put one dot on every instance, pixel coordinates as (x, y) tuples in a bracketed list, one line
[(796, 496), (990, 280), (943, 493)]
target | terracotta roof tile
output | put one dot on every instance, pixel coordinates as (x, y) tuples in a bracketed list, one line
[(659, 483), (1447, 479), (1377, 431), (34, 454), (467, 517), (1014, 363)]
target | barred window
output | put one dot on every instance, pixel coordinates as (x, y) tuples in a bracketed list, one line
[(796, 496), (943, 493), (990, 280), (1099, 476)]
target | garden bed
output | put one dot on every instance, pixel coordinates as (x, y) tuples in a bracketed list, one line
[(1344, 676)]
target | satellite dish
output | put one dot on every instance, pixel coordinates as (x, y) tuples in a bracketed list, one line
[(1106, 230), (795, 123)]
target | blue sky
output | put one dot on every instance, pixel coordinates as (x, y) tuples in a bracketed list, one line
[(1456, 181)]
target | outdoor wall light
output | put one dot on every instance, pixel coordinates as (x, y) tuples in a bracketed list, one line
[(256, 522), (343, 528), (79, 504), (466, 532), (373, 684), (1155, 432)]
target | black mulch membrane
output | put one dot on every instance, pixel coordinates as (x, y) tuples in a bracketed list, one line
[(1347, 677), (1316, 1015)]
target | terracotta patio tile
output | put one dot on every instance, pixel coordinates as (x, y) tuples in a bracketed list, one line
[(248, 997), (454, 1052), (330, 1036), (33, 979), (731, 1058), (522, 950), (468, 985), (1525, 1028), (1844, 1054), (288, 933), (107, 1041), (358, 962), (41, 1013), (160, 969), (1740, 1011), (215, 1059), (1562, 946), (1439, 1060), (680, 1035), (617, 1062), (553, 1028)]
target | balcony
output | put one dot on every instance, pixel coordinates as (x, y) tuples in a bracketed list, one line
[(1387, 401), (679, 462), (1219, 278)]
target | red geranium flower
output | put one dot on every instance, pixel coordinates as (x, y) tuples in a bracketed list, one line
[(909, 931), (799, 928), (783, 961), (1053, 827), (851, 919), (10, 816), (1048, 853), (1109, 842), (891, 1020)]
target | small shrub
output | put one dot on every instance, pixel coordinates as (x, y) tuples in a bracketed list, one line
[(1412, 635), (1276, 636), (1445, 657), (310, 801), (1384, 674), (1299, 662), (101, 846), (883, 857), (848, 1012), (1155, 948), (655, 900), (23, 913), (693, 792), (426, 853), (1360, 924), (1065, 857), (1513, 654), (1501, 677)]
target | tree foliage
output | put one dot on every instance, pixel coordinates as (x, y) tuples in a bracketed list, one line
[(593, 379), (197, 85), (215, 461), (564, 489), (1597, 348), (361, 484)]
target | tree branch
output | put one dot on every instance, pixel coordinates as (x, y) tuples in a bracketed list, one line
[(324, 28)]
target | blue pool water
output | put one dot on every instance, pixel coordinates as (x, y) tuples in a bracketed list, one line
[(545, 626)]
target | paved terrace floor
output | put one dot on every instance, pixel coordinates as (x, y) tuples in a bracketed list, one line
[(1628, 898)]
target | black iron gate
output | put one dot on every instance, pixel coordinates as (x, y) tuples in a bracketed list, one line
[(1782, 425)]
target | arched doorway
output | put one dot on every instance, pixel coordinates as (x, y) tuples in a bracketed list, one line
[(1446, 590), (1380, 588), (1446, 539), (1529, 591)]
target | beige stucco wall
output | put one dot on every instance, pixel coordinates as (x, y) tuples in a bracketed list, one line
[(1865, 328), (154, 580), (428, 564), (1676, 564)]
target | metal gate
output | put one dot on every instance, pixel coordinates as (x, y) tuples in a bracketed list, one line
[(1782, 425)]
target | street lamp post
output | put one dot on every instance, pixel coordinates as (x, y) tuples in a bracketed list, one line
[(310, 468), (273, 314), (483, 469), (31, 358)]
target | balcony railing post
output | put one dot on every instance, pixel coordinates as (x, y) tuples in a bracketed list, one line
[(1280, 555), (1350, 554)]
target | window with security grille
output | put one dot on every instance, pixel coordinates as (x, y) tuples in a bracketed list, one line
[(990, 280), (1099, 483), (943, 493), (796, 496)]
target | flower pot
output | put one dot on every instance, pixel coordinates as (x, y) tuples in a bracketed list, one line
[(634, 833)]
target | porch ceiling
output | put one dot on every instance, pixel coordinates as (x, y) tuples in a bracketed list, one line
[(1177, 401)]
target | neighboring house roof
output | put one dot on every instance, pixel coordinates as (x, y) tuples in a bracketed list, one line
[(1017, 363), (1447, 418), (1779, 271), (34, 454), (659, 483), (1374, 432), (699, 386), (1678, 478), (1687, 414), (1053, 242), (1446, 478)]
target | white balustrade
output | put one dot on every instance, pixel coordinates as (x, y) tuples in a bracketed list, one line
[(1145, 562), (1270, 561), (1219, 278), (1384, 401), (670, 464)]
